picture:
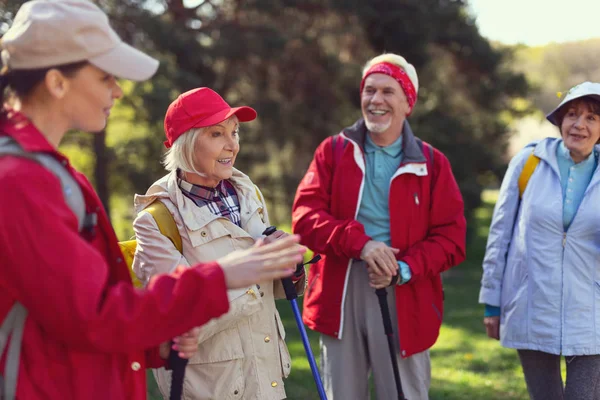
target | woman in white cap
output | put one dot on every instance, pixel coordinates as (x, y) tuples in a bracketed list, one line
[(541, 272), (72, 326), (217, 209)]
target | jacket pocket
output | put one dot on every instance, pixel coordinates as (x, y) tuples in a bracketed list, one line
[(209, 233), (312, 279), (219, 381), (284, 354), (224, 346)]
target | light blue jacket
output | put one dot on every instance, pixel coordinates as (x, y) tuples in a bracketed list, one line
[(545, 280)]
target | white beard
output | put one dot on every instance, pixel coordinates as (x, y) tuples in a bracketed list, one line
[(374, 127)]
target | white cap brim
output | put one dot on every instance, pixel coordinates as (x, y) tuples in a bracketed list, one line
[(126, 62), (585, 89)]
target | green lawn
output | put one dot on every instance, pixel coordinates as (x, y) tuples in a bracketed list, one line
[(466, 364)]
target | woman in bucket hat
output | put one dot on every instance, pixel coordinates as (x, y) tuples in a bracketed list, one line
[(73, 324), (541, 272), (217, 209)]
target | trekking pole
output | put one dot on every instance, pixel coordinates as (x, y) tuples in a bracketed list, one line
[(178, 366), (292, 295), (389, 332)]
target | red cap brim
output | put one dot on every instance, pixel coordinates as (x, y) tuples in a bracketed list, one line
[(244, 114)]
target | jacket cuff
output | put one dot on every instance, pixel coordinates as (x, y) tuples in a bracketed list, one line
[(359, 244), (404, 273), (491, 311), (153, 358)]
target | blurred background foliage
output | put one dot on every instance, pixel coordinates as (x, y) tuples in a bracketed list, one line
[(298, 63)]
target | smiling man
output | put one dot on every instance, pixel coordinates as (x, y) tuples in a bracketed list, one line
[(384, 210)]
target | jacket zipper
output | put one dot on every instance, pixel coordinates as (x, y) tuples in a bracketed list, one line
[(562, 306)]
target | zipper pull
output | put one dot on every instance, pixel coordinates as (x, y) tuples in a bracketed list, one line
[(564, 241), (416, 199)]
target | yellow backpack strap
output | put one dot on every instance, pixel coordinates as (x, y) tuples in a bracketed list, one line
[(166, 223), (260, 199), (530, 165)]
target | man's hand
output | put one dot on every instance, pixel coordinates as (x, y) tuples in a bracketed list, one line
[(380, 258), (186, 345), (492, 327), (379, 281)]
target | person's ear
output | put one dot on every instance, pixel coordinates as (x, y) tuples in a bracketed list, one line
[(56, 83)]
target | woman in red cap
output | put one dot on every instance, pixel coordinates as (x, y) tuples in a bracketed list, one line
[(217, 209), (72, 326)]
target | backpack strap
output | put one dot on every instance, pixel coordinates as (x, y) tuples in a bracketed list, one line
[(261, 211), (166, 223), (528, 169), (338, 143), (12, 327), (428, 152), (70, 187), (258, 195), (430, 159)]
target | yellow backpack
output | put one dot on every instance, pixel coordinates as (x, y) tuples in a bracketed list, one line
[(530, 165), (167, 226)]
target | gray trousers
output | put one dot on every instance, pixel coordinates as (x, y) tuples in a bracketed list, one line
[(544, 381), (347, 363)]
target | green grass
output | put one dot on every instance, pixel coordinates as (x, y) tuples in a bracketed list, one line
[(465, 363)]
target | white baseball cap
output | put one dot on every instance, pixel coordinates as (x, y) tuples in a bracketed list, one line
[(591, 89), (48, 33)]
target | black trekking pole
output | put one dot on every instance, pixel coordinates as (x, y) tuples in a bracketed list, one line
[(177, 365), (292, 295), (389, 332)]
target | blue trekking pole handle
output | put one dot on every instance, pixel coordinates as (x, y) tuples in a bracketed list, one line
[(292, 295)]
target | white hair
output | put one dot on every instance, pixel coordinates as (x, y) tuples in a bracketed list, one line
[(181, 154), (397, 60)]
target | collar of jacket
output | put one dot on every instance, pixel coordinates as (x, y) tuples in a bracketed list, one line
[(412, 152), (194, 217), (545, 150), (27, 135)]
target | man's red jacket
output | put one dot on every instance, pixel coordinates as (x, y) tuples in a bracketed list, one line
[(89, 333), (427, 224)]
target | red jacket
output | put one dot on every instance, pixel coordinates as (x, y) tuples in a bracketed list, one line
[(89, 333), (427, 224)]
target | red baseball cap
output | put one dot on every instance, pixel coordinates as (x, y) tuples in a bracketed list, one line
[(198, 108)]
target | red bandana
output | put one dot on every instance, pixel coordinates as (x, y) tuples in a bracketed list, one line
[(399, 75)]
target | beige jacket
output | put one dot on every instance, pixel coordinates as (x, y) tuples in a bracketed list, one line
[(242, 354)]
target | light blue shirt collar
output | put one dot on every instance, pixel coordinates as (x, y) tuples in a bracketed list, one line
[(394, 149), (565, 154)]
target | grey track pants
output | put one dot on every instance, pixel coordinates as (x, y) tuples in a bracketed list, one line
[(363, 349)]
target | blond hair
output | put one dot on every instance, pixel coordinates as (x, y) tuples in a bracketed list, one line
[(181, 155)]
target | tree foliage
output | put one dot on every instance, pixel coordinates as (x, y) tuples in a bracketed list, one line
[(298, 64), (557, 67)]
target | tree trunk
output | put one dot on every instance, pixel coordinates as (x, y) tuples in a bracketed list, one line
[(101, 169)]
